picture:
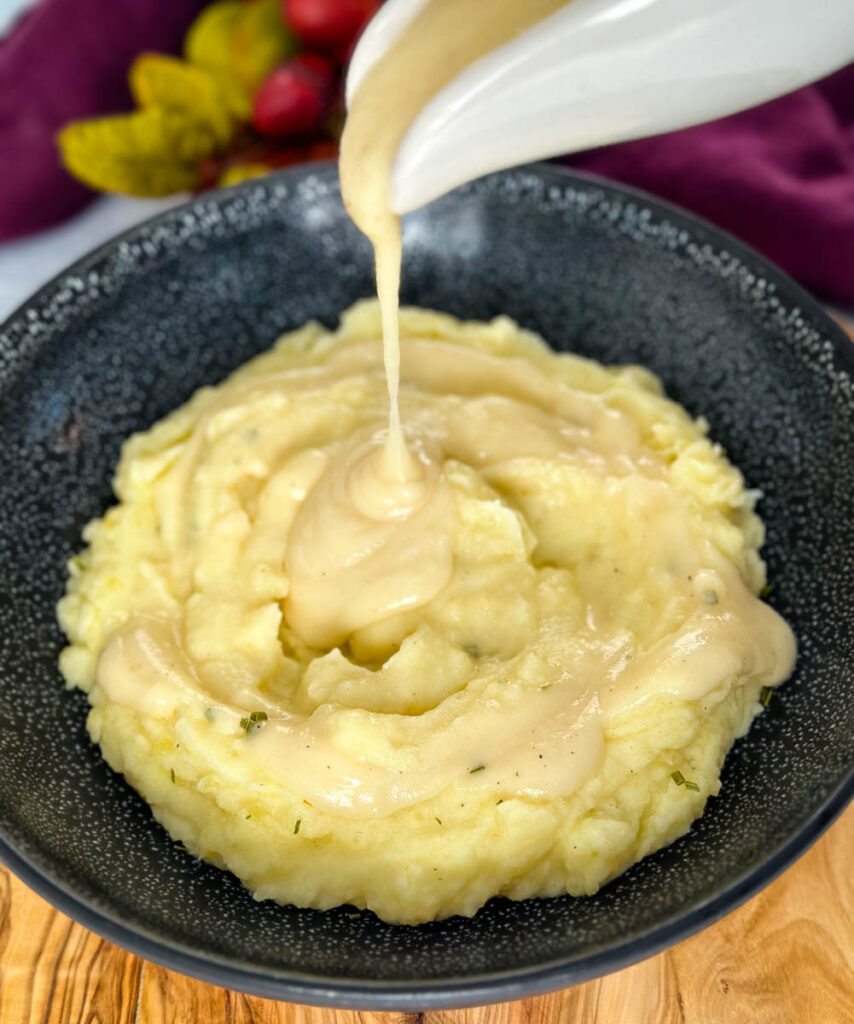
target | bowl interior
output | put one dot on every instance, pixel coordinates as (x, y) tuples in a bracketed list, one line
[(131, 331)]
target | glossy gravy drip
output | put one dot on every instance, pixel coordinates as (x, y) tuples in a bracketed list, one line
[(516, 738), (374, 535), (442, 40)]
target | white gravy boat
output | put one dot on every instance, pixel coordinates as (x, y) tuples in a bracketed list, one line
[(602, 71)]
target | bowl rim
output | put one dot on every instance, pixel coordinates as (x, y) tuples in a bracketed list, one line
[(487, 987)]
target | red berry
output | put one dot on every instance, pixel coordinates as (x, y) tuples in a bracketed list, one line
[(329, 25), (319, 65), (293, 100)]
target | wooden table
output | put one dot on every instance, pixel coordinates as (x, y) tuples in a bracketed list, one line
[(785, 957)]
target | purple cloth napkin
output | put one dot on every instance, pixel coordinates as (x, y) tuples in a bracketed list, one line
[(68, 59), (780, 177)]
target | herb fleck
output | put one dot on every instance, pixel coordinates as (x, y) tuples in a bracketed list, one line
[(472, 650), (209, 714), (172, 773), (438, 821), (680, 780), (254, 721), (710, 596), (477, 768), (296, 827), (765, 695)]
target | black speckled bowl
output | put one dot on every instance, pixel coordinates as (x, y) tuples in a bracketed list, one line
[(129, 332)]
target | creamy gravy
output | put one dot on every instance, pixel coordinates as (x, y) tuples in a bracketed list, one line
[(389, 478), (370, 522), (443, 39), (489, 412)]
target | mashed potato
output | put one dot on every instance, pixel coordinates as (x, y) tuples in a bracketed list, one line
[(522, 689)]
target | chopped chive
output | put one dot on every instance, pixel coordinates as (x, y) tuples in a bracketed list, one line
[(438, 821), (471, 650), (172, 773), (765, 695), (296, 827), (710, 596), (209, 714), (497, 802), (254, 721), (680, 780), (477, 768)]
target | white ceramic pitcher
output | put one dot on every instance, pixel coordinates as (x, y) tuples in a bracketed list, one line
[(602, 71)]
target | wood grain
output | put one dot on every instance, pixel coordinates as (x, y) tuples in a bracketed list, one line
[(785, 957), (53, 970)]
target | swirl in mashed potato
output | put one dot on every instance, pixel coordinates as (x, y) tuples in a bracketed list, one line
[(489, 685)]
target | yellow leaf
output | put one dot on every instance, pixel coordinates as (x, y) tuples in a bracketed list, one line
[(208, 45), (242, 172), (208, 42), (152, 152), (239, 43), (160, 81), (261, 41)]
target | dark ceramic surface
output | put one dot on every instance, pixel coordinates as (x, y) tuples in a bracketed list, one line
[(129, 332)]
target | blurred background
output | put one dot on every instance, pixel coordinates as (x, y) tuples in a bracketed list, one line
[(113, 109)]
